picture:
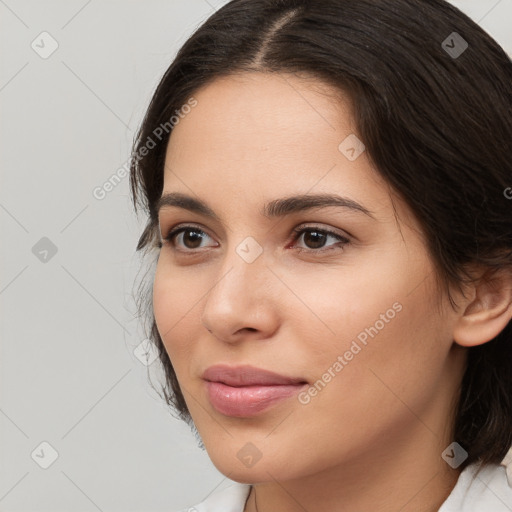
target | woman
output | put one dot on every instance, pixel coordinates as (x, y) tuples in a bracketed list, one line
[(328, 192)]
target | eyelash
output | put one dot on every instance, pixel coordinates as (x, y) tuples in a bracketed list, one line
[(297, 234)]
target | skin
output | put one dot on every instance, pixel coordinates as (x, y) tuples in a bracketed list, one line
[(372, 438)]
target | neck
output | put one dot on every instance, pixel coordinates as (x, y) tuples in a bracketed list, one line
[(384, 479)]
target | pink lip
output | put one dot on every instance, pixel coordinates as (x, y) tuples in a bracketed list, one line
[(247, 375), (245, 390)]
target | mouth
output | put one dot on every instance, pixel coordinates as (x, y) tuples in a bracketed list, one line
[(245, 391)]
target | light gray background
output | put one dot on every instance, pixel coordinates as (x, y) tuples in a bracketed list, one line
[(69, 374)]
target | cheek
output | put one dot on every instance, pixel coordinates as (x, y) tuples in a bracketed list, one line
[(373, 338), (378, 393), (175, 309), (385, 367), (163, 301), (341, 302)]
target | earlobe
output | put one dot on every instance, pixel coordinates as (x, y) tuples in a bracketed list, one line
[(488, 312)]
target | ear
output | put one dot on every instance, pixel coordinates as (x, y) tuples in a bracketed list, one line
[(488, 311)]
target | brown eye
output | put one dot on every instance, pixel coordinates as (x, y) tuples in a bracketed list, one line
[(189, 237), (315, 239), (192, 238)]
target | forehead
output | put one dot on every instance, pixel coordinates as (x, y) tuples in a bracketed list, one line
[(256, 137), (264, 127), (263, 106)]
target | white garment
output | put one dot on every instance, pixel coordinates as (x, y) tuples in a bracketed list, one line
[(488, 492)]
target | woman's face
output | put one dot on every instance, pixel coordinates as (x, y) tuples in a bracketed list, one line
[(355, 318)]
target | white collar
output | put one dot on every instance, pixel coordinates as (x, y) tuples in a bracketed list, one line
[(507, 462)]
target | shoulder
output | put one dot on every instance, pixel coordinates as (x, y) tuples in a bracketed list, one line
[(480, 491), (229, 499)]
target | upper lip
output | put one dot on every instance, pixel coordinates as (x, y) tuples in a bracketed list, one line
[(247, 375)]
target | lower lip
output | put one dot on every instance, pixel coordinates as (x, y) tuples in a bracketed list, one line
[(247, 400)]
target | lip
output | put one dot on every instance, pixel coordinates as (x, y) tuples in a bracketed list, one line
[(247, 375), (244, 391)]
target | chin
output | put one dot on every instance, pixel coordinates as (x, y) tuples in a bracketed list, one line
[(246, 465)]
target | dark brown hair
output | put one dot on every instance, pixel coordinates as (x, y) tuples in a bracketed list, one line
[(435, 117)]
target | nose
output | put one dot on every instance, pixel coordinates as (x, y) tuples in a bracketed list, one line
[(242, 301)]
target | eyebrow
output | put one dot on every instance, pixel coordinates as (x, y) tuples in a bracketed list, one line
[(273, 209)]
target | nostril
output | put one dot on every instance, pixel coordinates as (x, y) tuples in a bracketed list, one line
[(251, 329)]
